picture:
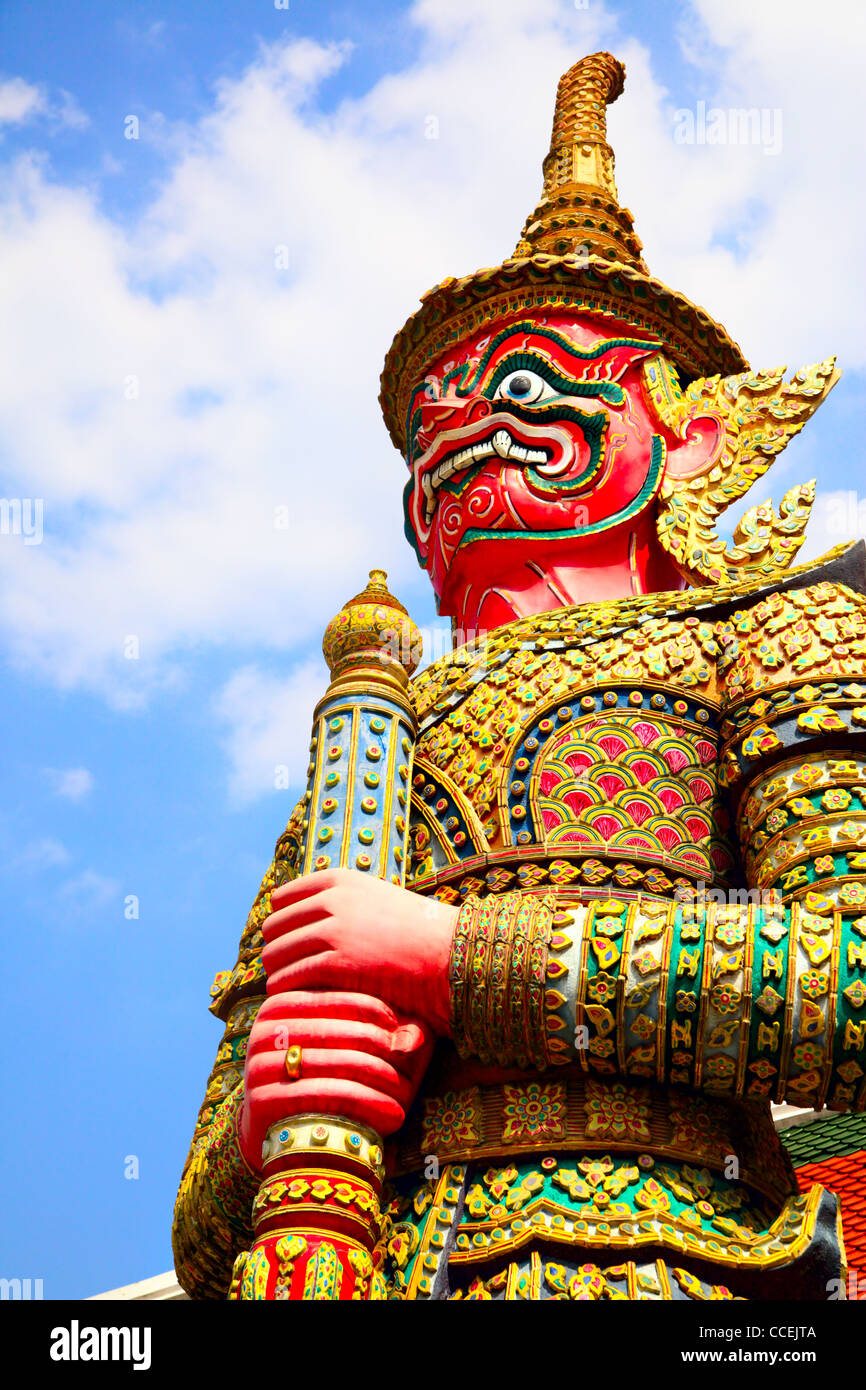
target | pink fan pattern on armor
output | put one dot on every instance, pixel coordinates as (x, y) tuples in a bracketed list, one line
[(642, 787)]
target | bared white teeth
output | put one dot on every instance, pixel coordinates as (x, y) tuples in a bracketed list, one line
[(500, 444)]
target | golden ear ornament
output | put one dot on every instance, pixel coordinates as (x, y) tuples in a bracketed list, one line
[(759, 413)]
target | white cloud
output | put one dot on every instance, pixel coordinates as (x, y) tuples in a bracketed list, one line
[(20, 101), (39, 854), (73, 783), (166, 388), (267, 724), (89, 892), (794, 291), (138, 35), (67, 112), (837, 517)]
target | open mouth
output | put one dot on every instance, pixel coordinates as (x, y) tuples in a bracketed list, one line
[(501, 444)]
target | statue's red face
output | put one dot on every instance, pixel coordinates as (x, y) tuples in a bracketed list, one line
[(531, 440)]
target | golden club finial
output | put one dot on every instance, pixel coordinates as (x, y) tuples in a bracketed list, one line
[(372, 635), (579, 212)]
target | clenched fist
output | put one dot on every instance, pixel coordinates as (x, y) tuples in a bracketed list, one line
[(341, 930), (359, 1060)]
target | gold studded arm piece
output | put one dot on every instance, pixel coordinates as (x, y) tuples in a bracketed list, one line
[(498, 968), (794, 762), (737, 1000)]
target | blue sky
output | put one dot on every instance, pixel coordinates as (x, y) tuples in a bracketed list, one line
[(165, 389)]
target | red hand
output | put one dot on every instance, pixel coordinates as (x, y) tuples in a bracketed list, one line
[(339, 929), (359, 1060)]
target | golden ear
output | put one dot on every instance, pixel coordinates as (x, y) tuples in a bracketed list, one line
[(760, 412)]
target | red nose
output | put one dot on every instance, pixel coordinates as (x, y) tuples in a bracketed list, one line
[(449, 414)]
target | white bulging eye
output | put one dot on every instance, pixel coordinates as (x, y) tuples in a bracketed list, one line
[(522, 386)]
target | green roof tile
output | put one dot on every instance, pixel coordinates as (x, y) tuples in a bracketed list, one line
[(811, 1143)]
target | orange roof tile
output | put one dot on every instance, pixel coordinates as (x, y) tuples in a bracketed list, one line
[(846, 1176)]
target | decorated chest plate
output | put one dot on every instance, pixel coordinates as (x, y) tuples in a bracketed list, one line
[(571, 761)]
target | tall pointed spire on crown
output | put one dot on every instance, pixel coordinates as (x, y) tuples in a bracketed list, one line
[(578, 251), (579, 212)]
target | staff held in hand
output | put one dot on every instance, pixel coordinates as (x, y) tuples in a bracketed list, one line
[(357, 971)]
